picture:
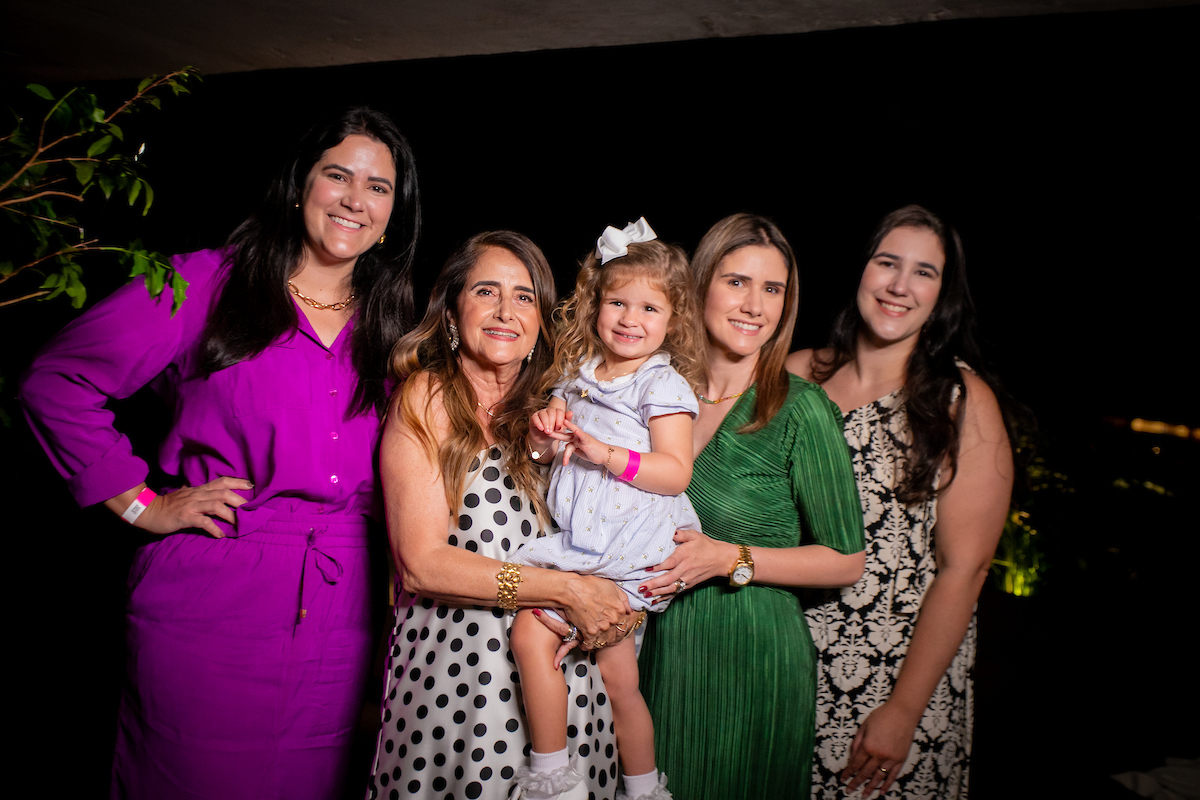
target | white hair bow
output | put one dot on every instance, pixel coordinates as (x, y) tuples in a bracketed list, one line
[(614, 243)]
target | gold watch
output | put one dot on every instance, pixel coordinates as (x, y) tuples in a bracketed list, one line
[(742, 571)]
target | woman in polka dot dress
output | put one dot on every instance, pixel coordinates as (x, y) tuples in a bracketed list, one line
[(462, 494), (623, 417)]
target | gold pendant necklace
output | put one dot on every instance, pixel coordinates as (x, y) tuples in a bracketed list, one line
[(704, 399), (320, 306)]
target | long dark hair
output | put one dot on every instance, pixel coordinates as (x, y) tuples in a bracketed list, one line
[(934, 417), (733, 233), (427, 349), (254, 308)]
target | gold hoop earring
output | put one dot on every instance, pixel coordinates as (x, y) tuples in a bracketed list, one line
[(381, 238)]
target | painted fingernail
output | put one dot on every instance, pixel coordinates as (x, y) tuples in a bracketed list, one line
[(537, 612)]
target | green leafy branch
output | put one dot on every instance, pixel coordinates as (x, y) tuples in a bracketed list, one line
[(49, 167)]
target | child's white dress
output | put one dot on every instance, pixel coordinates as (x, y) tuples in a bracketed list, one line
[(610, 528)]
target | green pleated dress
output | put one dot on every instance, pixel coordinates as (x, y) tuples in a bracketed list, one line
[(729, 674)]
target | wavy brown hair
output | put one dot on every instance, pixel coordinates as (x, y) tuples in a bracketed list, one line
[(932, 373), (733, 233), (427, 350), (664, 266)]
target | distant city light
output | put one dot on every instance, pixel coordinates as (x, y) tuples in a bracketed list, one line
[(1139, 425)]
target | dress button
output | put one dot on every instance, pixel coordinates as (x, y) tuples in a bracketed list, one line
[(333, 435), (333, 479), (333, 392)]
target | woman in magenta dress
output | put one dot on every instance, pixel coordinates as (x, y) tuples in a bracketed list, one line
[(248, 627)]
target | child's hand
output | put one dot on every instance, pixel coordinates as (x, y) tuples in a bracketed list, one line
[(547, 427), (587, 446)]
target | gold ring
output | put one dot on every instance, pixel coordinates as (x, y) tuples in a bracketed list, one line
[(883, 770)]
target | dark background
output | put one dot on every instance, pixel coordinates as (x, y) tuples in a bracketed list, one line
[(1062, 147)]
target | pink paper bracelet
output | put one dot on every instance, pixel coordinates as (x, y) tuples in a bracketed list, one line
[(631, 469), (145, 498)]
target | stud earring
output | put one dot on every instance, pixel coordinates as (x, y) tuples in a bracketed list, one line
[(297, 205), (453, 337)]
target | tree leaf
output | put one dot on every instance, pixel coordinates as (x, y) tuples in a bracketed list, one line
[(106, 184), (155, 278), (83, 171), (145, 82), (116, 131), (134, 189), (140, 264), (99, 146), (40, 91), (178, 290), (149, 199)]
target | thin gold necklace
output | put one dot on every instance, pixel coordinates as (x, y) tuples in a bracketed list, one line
[(320, 306), (704, 399), (488, 409)]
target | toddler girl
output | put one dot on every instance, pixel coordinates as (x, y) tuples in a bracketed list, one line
[(621, 414)]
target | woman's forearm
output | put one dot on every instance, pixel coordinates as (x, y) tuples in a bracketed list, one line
[(460, 577), (814, 566), (945, 615)]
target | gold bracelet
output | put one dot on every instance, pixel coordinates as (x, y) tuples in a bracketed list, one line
[(611, 450), (641, 621), (507, 581)]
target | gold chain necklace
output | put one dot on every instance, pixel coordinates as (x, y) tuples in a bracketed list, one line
[(320, 306), (704, 399)]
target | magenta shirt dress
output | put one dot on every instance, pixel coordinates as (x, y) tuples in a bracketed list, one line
[(248, 655)]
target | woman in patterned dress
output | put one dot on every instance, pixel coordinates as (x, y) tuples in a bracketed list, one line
[(934, 469), (461, 495)]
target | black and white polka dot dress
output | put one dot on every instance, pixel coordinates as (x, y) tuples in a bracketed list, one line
[(453, 718)]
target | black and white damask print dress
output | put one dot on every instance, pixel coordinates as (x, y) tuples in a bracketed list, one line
[(453, 717), (862, 632)]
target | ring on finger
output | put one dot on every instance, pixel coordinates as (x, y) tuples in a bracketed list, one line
[(571, 635), (680, 585), (619, 627), (883, 770)]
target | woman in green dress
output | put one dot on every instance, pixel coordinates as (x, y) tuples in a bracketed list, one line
[(728, 671)]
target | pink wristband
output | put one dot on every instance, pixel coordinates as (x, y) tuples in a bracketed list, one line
[(145, 498), (631, 469)]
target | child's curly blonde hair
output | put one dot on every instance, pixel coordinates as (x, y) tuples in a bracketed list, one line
[(664, 266)]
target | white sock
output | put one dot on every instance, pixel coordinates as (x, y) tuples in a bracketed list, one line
[(638, 785), (547, 762)]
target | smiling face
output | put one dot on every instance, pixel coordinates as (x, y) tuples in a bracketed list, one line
[(900, 285), (632, 322), (745, 300), (497, 311), (348, 199)]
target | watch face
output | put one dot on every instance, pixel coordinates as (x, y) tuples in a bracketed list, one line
[(742, 575)]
